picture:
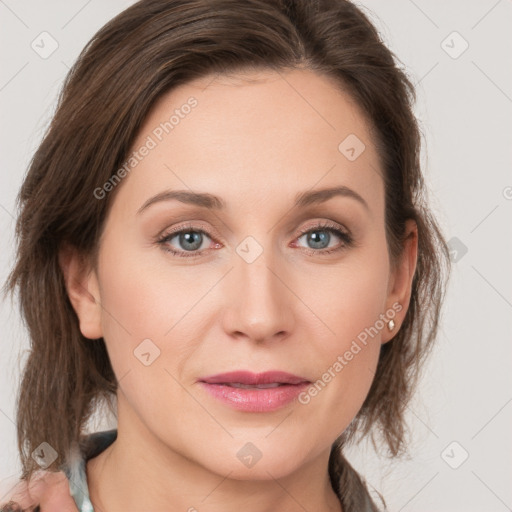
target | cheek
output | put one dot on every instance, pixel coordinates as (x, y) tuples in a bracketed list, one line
[(141, 303), (150, 306), (350, 306), (144, 319), (348, 298), (136, 305)]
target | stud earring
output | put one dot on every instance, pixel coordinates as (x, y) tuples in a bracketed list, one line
[(391, 325)]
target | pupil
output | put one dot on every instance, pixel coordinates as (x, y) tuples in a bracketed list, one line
[(318, 240), (192, 237)]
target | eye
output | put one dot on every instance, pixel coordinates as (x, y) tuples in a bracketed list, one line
[(320, 236), (189, 238)]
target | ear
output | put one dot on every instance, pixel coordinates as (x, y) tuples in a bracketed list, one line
[(83, 290), (400, 281)]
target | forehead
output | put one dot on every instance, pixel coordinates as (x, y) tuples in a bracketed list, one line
[(253, 137)]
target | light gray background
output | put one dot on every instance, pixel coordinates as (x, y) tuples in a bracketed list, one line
[(465, 107)]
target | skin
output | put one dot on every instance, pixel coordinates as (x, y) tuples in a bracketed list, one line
[(255, 140), (49, 490)]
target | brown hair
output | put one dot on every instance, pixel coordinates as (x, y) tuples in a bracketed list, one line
[(144, 52)]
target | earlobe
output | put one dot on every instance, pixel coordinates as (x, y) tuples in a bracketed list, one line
[(83, 290), (400, 282)]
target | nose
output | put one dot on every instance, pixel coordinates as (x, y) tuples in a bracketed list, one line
[(259, 302)]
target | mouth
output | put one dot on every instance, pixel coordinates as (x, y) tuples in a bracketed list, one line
[(250, 392), (251, 386), (264, 380)]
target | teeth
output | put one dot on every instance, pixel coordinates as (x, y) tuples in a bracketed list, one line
[(252, 386)]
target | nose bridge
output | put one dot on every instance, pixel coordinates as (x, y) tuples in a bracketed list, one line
[(259, 301)]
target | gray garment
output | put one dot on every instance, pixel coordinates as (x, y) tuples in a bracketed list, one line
[(90, 446)]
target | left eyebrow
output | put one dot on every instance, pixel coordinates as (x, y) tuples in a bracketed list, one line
[(213, 202), (322, 195)]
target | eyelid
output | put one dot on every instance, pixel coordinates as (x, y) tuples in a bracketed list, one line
[(323, 224), (187, 226)]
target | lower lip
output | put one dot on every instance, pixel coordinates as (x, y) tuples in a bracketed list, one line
[(255, 399)]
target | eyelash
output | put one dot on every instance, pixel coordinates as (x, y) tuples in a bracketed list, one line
[(347, 239)]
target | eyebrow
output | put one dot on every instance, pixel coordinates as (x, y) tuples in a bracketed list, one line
[(213, 202)]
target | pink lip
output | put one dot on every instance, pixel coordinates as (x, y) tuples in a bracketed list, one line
[(244, 377), (254, 399)]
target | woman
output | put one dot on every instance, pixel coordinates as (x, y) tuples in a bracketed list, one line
[(225, 229)]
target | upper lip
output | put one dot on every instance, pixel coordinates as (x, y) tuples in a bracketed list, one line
[(245, 377)]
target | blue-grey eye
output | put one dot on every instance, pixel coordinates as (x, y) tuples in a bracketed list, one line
[(190, 240), (319, 238)]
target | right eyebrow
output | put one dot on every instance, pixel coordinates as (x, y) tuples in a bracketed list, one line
[(203, 200)]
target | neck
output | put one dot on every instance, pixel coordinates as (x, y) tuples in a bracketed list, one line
[(135, 475)]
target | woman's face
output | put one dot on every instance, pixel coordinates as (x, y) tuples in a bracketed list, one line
[(247, 289)]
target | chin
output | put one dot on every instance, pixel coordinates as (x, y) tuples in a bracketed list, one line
[(260, 472), (248, 462)]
